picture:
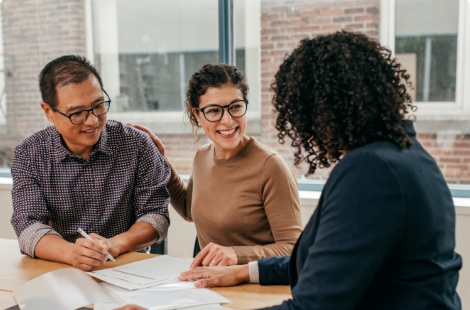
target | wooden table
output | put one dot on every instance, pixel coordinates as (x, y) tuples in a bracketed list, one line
[(16, 269)]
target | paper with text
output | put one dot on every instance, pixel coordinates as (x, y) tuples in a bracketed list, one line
[(172, 295), (144, 273)]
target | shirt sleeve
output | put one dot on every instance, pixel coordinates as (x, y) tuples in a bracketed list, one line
[(180, 194), (360, 223), (151, 196), (30, 215), (280, 195), (253, 271)]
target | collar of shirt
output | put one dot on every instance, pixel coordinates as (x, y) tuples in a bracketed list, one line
[(62, 152)]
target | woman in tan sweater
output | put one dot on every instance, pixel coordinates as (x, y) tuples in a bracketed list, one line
[(241, 196)]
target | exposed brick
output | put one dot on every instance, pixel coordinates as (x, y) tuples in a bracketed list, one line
[(353, 26), (342, 19), (332, 13), (354, 11), (373, 10), (365, 18)]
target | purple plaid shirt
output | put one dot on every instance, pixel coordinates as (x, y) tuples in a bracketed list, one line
[(56, 192)]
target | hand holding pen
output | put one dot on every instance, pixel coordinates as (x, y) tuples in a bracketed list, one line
[(86, 236)]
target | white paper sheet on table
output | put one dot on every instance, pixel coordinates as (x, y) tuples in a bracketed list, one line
[(61, 289), (172, 295), (145, 273), (108, 306), (69, 288)]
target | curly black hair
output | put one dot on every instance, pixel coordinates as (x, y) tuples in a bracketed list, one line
[(208, 76), (338, 92)]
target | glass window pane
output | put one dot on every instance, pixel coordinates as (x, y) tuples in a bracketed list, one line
[(426, 39), (159, 45)]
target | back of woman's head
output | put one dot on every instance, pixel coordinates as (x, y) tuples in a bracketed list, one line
[(338, 92), (211, 76)]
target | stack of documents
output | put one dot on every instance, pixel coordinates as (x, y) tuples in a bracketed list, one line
[(172, 295), (151, 283), (145, 273)]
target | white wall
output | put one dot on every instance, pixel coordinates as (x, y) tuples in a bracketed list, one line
[(6, 209)]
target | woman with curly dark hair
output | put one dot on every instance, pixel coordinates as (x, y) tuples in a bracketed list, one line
[(241, 196), (383, 233)]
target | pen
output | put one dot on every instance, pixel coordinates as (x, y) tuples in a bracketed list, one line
[(86, 236)]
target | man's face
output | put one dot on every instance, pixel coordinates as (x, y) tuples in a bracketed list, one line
[(79, 139)]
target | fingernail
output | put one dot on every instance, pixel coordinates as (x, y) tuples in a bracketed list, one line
[(197, 284)]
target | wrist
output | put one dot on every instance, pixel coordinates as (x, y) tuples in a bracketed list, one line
[(115, 246), (243, 273)]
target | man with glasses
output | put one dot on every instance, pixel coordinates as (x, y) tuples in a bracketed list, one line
[(85, 172)]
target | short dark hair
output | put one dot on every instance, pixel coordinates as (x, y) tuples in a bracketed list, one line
[(211, 76), (338, 92), (62, 71)]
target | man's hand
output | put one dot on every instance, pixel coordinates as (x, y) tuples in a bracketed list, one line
[(217, 276), (111, 244), (155, 139), (215, 255), (87, 254)]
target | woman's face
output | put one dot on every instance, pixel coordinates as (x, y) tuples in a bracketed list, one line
[(228, 134)]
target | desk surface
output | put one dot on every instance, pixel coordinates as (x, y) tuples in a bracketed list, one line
[(16, 269)]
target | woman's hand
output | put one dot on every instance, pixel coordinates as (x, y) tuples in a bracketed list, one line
[(217, 276), (215, 255), (155, 139)]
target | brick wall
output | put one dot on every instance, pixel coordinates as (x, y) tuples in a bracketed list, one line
[(35, 32)]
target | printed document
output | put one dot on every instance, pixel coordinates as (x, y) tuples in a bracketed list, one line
[(144, 273), (71, 288)]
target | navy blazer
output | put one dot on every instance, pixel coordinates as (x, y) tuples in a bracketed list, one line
[(382, 237)]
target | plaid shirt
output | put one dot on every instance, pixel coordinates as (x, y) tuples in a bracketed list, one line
[(56, 192)]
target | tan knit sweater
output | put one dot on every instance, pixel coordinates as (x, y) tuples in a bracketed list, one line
[(249, 201)]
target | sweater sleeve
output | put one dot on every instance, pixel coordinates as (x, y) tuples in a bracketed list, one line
[(361, 222), (180, 194), (279, 191)]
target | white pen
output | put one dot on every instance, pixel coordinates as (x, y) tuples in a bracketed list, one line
[(86, 236)]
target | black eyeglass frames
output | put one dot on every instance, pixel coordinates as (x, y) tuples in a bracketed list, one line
[(81, 116), (215, 112)]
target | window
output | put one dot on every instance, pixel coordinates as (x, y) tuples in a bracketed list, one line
[(427, 41), (431, 44), (147, 50)]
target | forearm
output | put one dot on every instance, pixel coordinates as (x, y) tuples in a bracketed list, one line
[(178, 195), (139, 236), (54, 248), (247, 254)]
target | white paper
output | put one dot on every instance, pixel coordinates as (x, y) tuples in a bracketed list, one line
[(61, 289), (173, 295), (144, 273)]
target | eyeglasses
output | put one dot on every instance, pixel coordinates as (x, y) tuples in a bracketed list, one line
[(215, 112), (81, 116)]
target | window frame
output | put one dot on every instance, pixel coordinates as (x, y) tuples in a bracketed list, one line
[(458, 110)]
